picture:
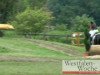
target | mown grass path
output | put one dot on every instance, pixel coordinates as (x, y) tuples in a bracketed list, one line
[(22, 47), (64, 48), (21, 56)]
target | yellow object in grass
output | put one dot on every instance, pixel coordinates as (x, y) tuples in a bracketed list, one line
[(6, 26)]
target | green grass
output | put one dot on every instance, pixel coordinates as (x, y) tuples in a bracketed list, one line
[(30, 68), (78, 48), (57, 32), (23, 47)]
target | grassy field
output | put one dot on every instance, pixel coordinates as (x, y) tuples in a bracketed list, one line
[(30, 68), (21, 56), (23, 47)]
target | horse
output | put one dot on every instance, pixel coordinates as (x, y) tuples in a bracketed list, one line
[(96, 40)]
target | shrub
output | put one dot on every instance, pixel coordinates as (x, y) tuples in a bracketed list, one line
[(31, 20)]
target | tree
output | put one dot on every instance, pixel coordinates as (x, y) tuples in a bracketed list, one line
[(92, 8), (65, 10), (36, 3), (81, 24), (32, 20), (9, 8), (5, 9)]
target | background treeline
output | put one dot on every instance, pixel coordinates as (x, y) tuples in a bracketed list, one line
[(49, 16)]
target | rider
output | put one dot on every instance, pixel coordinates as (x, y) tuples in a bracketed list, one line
[(89, 39), (92, 32)]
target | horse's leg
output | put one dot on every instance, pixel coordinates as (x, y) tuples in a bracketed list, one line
[(98, 40), (95, 40)]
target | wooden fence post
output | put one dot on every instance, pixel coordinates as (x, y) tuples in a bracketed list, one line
[(76, 39)]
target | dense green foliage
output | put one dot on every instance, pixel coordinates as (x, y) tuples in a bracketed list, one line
[(81, 23), (32, 20), (6, 7), (64, 11)]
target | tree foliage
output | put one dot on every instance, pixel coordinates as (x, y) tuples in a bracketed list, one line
[(65, 10), (6, 9), (32, 20), (81, 23), (9, 8)]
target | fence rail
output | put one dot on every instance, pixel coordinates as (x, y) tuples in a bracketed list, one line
[(30, 34), (73, 40)]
